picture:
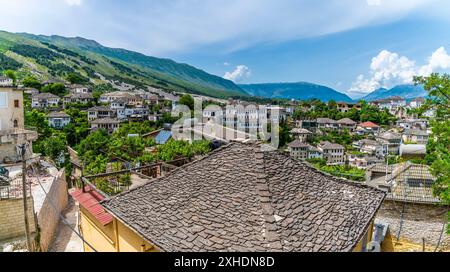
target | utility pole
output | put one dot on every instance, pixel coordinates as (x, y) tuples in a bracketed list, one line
[(23, 148)]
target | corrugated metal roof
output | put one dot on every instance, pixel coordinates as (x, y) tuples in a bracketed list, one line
[(163, 136), (90, 200)]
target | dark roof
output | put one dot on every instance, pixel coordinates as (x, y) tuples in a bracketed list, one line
[(58, 115), (297, 144), (100, 108), (44, 96), (239, 198), (328, 145), (80, 96), (325, 121), (346, 121)]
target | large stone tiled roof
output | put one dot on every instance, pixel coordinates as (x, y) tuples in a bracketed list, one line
[(241, 199)]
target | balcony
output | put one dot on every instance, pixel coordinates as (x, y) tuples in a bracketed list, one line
[(18, 135)]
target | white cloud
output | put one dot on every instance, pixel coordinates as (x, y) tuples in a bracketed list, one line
[(240, 73), (74, 2), (374, 2), (170, 27), (389, 69), (438, 60), (226, 64)]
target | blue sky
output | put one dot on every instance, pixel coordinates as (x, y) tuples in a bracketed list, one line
[(354, 46)]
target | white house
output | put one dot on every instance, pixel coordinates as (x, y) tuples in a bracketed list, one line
[(58, 120), (333, 153), (6, 81), (44, 100)]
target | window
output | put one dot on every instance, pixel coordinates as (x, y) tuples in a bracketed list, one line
[(16, 123), (16, 103), (3, 100)]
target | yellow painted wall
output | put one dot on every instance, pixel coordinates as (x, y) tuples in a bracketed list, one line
[(359, 246), (100, 237), (114, 237)]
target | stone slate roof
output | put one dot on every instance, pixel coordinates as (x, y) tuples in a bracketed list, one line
[(300, 131), (325, 121), (297, 144), (346, 121), (57, 115), (45, 96), (328, 145), (241, 199)]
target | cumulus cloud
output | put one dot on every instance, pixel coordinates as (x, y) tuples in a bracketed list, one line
[(389, 69), (240, 73), (74, 2)]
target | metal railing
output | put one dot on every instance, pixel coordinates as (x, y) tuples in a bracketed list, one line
[(13, 189)]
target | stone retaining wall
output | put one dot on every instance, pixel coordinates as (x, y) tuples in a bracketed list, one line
[(419, 221)]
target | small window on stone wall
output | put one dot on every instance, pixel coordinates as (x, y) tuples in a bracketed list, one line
[(16, 123)]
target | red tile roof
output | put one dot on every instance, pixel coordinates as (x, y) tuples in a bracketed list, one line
[(90, 200), (368, 125)]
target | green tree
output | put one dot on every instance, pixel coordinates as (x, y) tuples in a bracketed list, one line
[(187, 100), (76, 78), (32, 82), (12, 75), (58, 89), (438, 87)]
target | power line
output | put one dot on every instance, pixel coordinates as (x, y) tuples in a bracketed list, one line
[(60, 215)]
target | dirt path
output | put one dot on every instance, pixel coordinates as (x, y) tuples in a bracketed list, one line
[(66, 240)]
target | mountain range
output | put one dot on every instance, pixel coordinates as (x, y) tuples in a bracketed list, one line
[(404, 91), (298, 91), (55, 56)]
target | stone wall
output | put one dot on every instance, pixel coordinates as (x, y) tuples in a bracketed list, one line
[(49, 215), (419, 221), (12, 218)]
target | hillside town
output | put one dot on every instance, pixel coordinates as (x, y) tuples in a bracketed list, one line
[(106, 163)]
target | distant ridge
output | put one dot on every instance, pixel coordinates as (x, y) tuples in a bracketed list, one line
[(295, 90), (404, 91), (56, 56)]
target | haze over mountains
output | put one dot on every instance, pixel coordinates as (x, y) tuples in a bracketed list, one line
[(404, 91), (298, 91)]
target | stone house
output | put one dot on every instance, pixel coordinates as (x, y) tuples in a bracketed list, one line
[(12, 125), (346, 123), (411, 210), (413, 124), (45, 100), (76, 88), (99, 112), (82, 98), (326, 123), (298, 150), (367, 128), (109, 124), (390, 139), (370, 147), (333, 153), (416, 136), (214, 209), (58, 120), (301, 134), (6, 81)]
